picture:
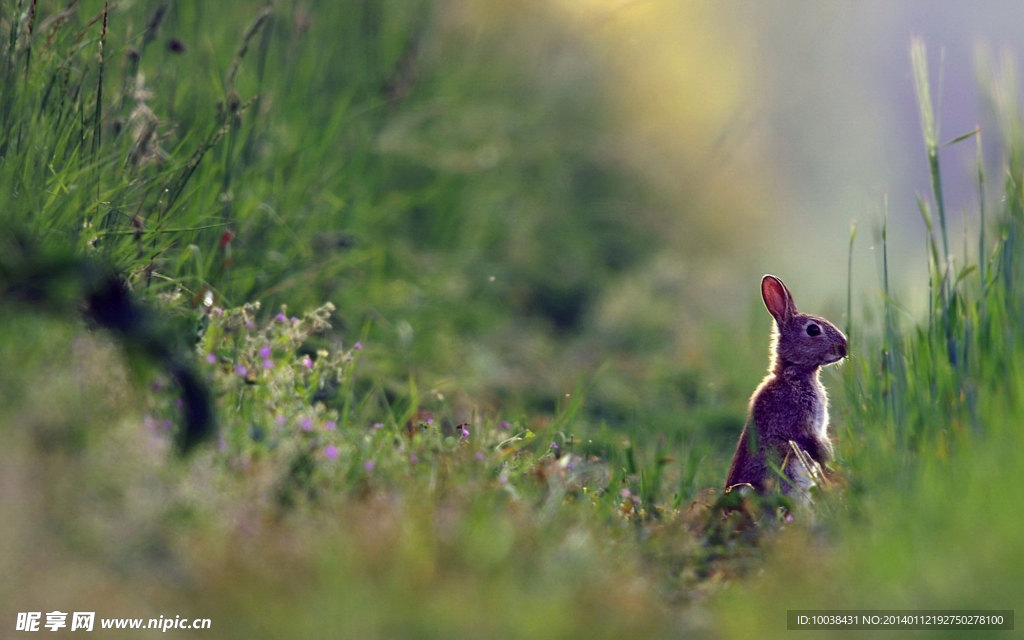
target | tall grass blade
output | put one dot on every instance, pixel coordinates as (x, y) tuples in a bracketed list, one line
[(849, 281), (97, 121), (929, 130)]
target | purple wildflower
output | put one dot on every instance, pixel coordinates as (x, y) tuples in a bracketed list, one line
[(241, 370), (369, 465), (265, 352), (331, 452), (413, 458), (211, 358), (358, 346), (463, 431), (307, 362), (268, 364), (505, 426), (554, 446), (330, 425), (281, 317), (377, 425), (306, 424)]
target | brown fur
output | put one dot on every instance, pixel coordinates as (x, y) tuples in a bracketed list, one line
[(788, 412)]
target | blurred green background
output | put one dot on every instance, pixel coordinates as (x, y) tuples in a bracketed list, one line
[(542, 223)]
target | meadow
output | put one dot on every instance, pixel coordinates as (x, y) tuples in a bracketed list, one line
[(348, 320)]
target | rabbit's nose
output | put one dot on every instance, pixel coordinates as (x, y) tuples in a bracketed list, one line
[(841, 348)]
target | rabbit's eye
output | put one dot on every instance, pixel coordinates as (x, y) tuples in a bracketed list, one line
[(813, 330)]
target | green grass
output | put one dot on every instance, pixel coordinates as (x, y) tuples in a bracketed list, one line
[(436, 452)]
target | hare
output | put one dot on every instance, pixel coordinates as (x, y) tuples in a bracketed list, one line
[(785, 440)]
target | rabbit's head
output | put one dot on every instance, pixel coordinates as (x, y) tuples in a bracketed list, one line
[(800, 339)]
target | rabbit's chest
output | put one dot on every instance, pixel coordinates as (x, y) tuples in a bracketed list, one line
[(796, 410), (818, 416), (813, 410)]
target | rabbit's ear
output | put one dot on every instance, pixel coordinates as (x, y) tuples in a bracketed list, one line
[(777, 299)]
